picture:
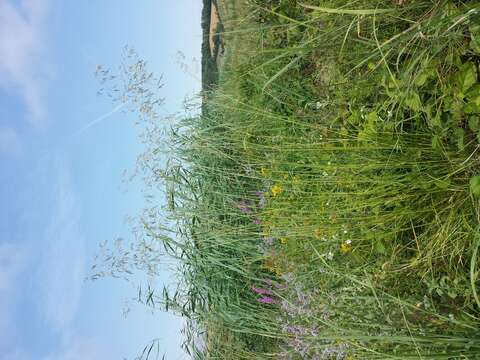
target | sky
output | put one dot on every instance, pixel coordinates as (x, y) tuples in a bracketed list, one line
[(63, 150)]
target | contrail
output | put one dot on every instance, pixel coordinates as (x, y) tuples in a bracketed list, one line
[(99, 119)]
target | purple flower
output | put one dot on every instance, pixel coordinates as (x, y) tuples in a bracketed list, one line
[(267, 300), (262, 291), (257, 221)]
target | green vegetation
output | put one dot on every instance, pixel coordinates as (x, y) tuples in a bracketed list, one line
[(325, 205)]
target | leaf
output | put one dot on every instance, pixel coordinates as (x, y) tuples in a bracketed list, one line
[(459, 137), (473, 94), (421, 79), (380, 247), (475, 185), (474, 123), (475, 37), (467, 76), (413, 101), (471, 108)]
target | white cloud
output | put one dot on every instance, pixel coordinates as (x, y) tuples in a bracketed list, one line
[(61, 273), (21, 49)]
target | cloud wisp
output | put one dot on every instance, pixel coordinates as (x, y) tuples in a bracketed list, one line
[(22, 46), (61, 272)]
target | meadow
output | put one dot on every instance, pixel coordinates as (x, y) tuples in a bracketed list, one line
[(325, 204)]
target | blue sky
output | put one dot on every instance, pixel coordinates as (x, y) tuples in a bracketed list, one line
[(61, 185)]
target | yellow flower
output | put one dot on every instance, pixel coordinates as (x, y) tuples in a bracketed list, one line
[(318, 233), (263, 172), (276, 189), (346, 246), (283, 240), (285, 176)]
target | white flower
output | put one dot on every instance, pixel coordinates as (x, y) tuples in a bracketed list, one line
[(330, 255), (348, 242)]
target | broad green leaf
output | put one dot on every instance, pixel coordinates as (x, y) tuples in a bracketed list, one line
[(413, 101), (421, 79), (475, 185), (474, 123), (467, 76), (471, 108)]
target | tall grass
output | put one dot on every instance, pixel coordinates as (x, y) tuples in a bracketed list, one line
[(322, 206)]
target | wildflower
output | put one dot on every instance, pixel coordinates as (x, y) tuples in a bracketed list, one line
[(330, 255), (285, 176), (263, 172), (317, 232), (267, 300), (283, 240), (262, 291), (276, 189), (346, 246), (257, 221)]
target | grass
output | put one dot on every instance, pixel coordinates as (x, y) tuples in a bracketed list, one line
[(325, 203)]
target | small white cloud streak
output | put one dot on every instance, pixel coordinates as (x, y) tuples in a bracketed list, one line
[(61, 272), (21, 48)]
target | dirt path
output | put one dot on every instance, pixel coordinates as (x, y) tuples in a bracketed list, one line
[(214, 21)]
